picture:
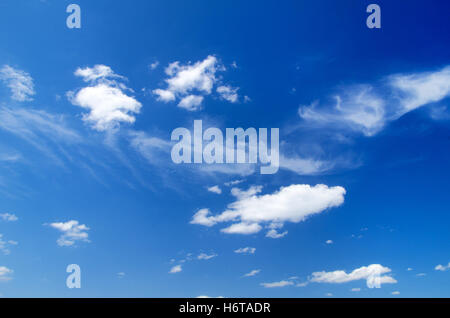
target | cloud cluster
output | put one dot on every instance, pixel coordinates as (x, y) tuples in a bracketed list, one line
[(293, 203), (191, 82), (19, 82), (105, 98), (363, 108), (4, 245), (373, 274), (71, 231), (442, 268)]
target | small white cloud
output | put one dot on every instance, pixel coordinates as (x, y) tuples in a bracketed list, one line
[(252, 273), (372, 274), (421, 275), (215, 189), (164, 95), (245, 250), (279, 284), (204, 256), (5, 245), (5, 274), (175, 269), (442, 268), (72, 231), (329, 294), (191, 102), (154, 65), (228, 93), (409, 269), (232, 183), (355, 290), (395, 293), (105, 98), (275, 234), (329, 241), (19, 82), (120, 275), (8, 217)]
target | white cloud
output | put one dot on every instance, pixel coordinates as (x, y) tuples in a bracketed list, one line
[(5, 245), (395, 293), (245, 250), (329, 241), (305, 166), (232, 183), (154, 65), (442, 267), (355, 289), (282, 283), (198, 78), (8, 217), (191, 102), (19, 82), (215, 189), (252, 273), (120, 275), (5, 274), (275, 234), (105, 98), (228, 93), (175, 269), (72, 231), (368, 108), (421, 275), (204, 256), (409, 269), (293, 203), (373, 274)]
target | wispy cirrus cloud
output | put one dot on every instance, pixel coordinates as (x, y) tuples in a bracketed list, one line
[(19, 82), (367, 108)]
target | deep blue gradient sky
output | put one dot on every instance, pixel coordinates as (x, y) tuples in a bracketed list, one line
[(138, 205)]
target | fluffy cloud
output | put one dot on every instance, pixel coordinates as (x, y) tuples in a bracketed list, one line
[(19, 82), (71, 231), (215, 189), (175, 269), (442, 268), (329, 242), (189, 83), (282, 283), (252, 273), (5, 273), (368, 108), (105, 98), (290, 204), (373, 274), (245, 250), (204, 256), (8, 217)]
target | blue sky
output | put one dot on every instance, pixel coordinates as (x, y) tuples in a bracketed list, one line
[(86, 176)]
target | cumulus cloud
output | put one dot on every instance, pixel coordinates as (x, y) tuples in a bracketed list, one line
[(373, 274), (282, 283), (368, 108), (19, 82), (293, 203), (245, 250), (191, 82), (105, 98), (215, 189), (395, 293), (329, 242), (71, 231), (442, 268), (5, 274), (252, 273), (8, 217), (272, 233), (175, 269)]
